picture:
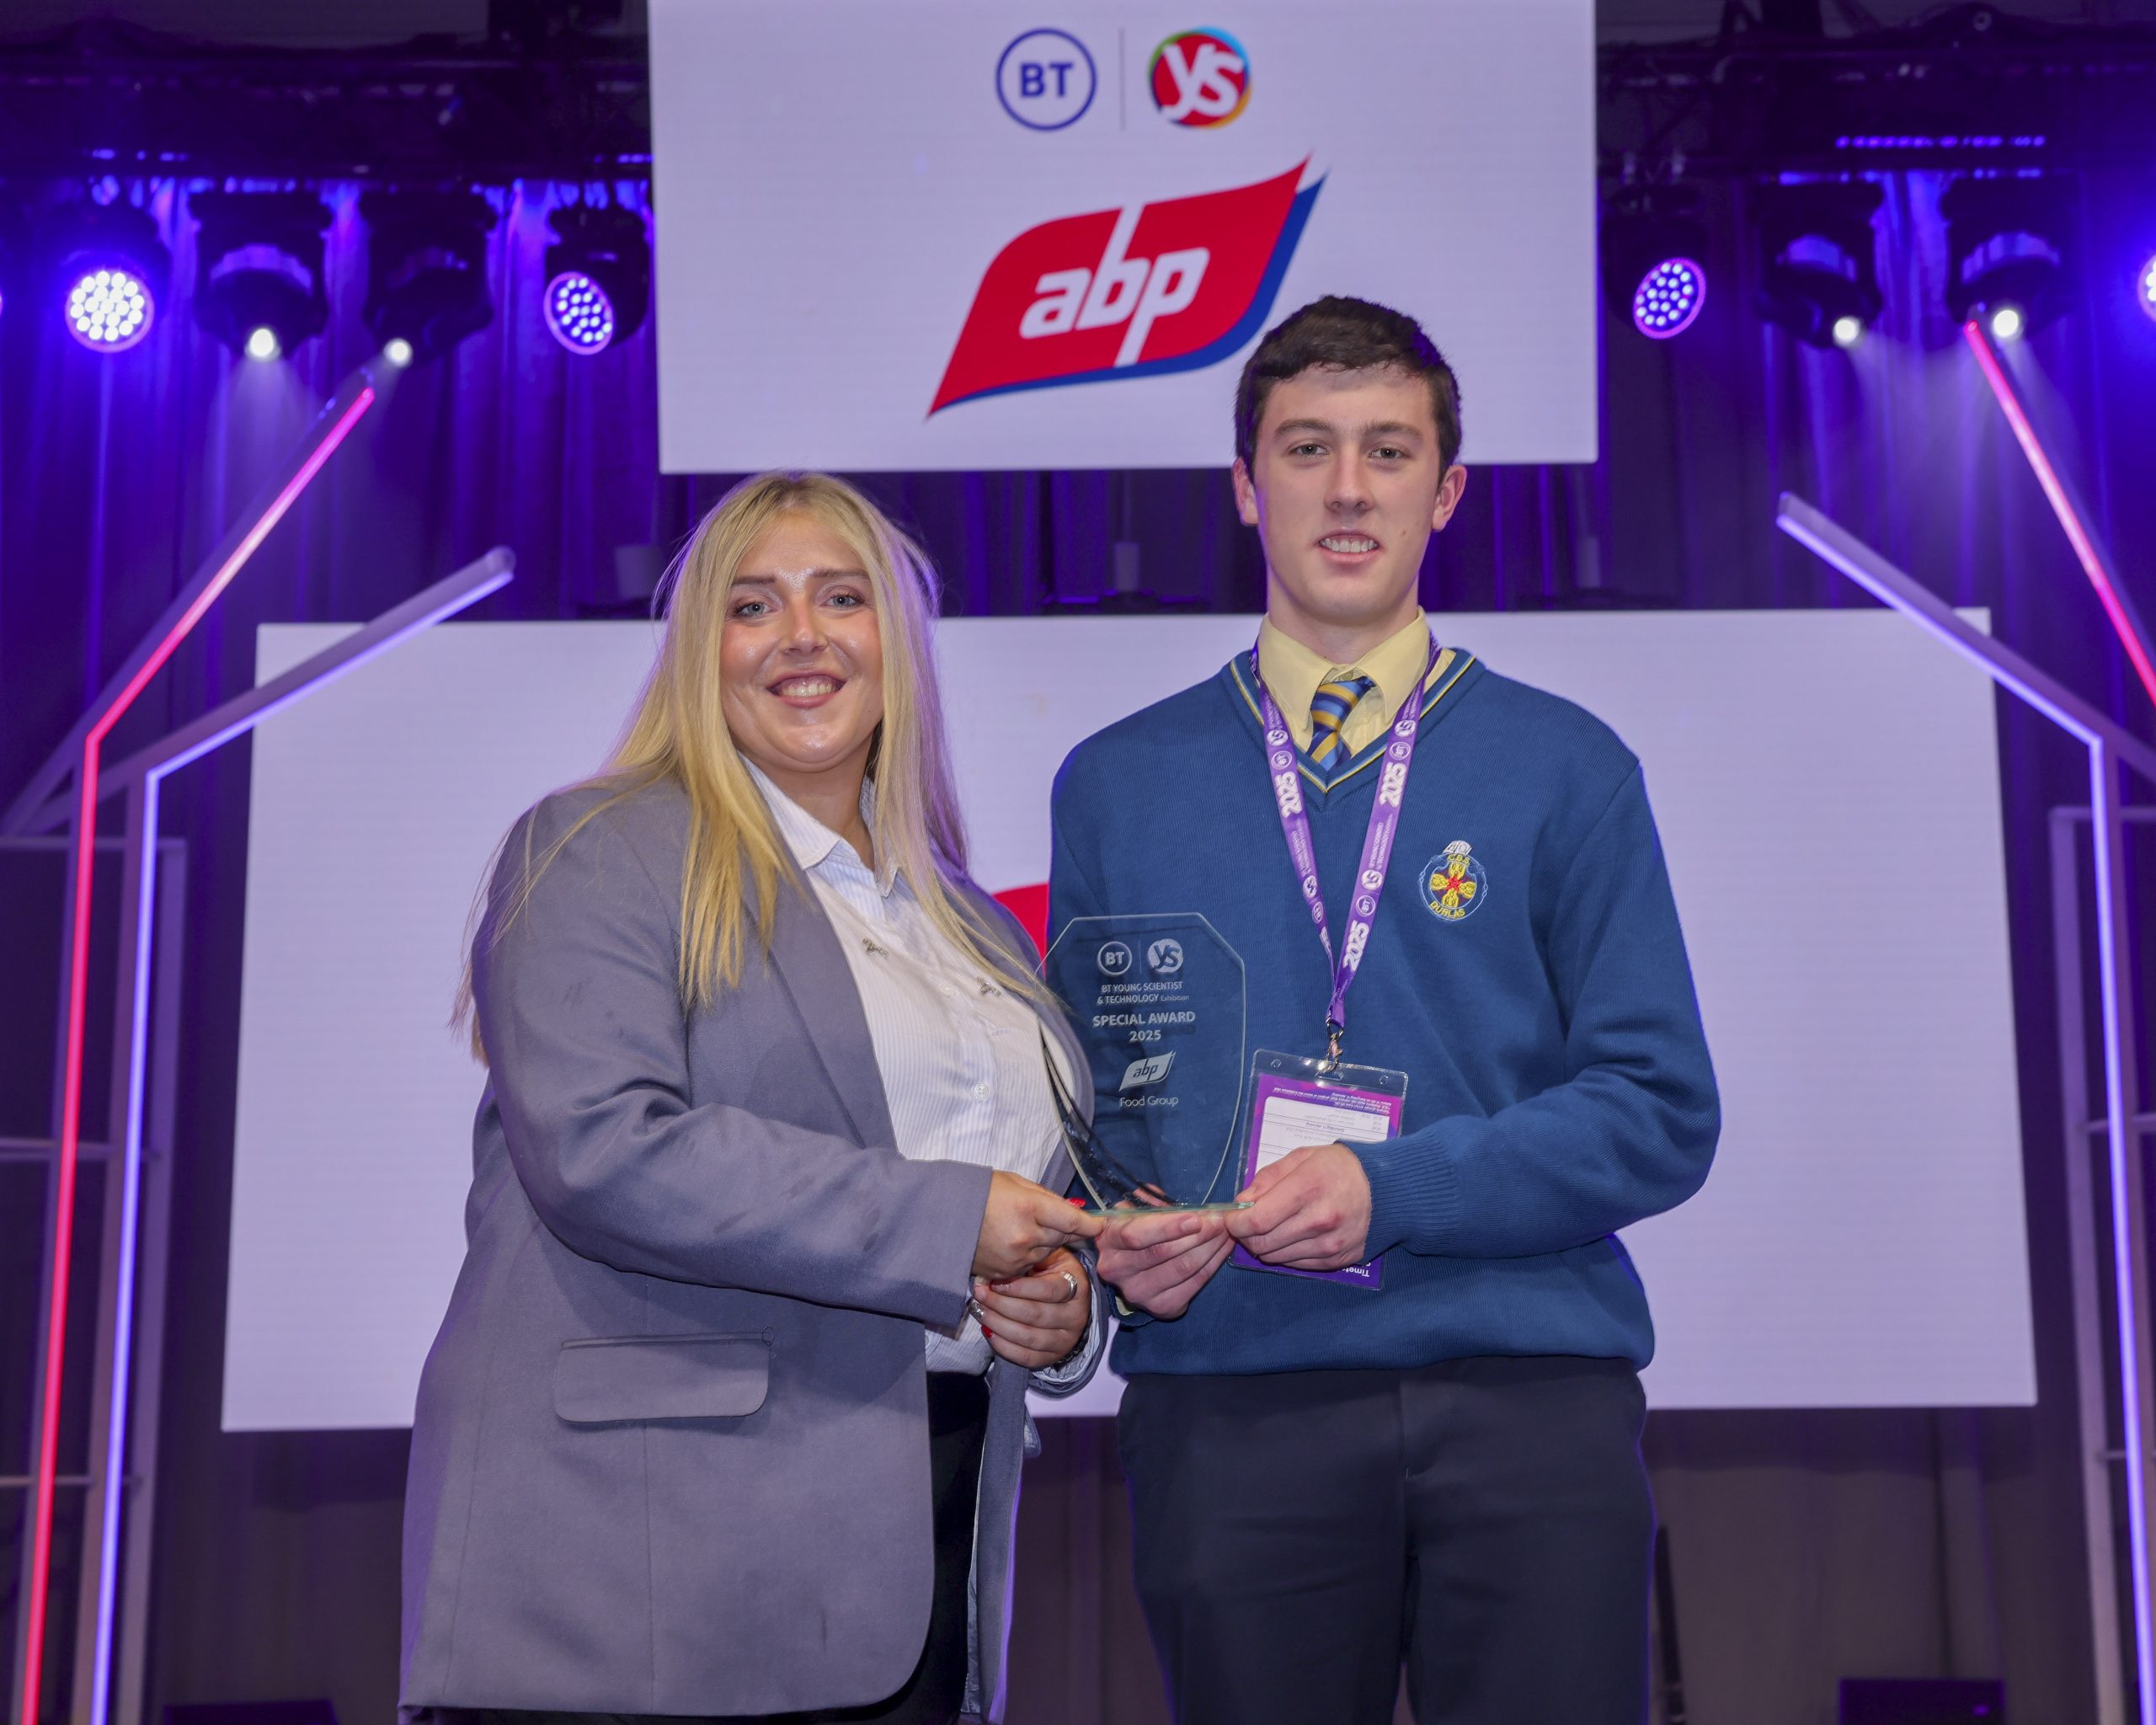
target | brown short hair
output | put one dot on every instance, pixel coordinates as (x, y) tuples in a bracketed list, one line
[(1341, 334)]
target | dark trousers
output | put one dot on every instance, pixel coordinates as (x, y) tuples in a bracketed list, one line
[(957, 1427), (1298, 1536)]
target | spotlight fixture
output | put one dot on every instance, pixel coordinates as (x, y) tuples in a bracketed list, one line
[(2006, 322), (259, 271), (1819, 274), (426, 269), (113, 268), (1652, 241), (2144, 287), (1669, 297), (398, 352), (2006, 250), (598, 277)]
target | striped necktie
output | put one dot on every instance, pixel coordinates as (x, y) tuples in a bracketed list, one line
[(1329, 710)]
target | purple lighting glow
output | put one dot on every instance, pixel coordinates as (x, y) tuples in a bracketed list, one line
[(109, 308), (580, 314), (1669, 298)]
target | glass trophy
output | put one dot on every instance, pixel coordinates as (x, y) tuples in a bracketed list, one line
[(1159, 1003)]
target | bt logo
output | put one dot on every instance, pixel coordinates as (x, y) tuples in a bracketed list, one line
[(1045, 80), (1199, 77)]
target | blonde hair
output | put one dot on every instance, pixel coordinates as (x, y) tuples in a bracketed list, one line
[(677, 733)]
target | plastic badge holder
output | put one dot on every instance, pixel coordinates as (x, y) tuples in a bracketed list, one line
[(1295, 1102)]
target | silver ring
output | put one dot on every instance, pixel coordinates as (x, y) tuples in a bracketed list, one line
[(1073, 1283)]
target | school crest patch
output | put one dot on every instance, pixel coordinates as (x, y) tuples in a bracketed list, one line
[(1454, 885)]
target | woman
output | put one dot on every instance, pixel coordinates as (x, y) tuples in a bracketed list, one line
[(726, 1415)]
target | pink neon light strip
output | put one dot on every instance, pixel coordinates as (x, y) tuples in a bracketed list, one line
[(84, 842), (2076, 534)]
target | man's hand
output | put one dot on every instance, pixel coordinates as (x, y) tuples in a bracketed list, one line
[(1037, 1319), (1158, 1264), (1310, 1210), (1021, 1225)]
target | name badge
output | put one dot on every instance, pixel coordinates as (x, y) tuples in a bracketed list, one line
[(1296, 1102)]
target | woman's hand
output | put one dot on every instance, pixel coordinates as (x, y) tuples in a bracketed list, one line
[(1021, 1225), (1039, 1319)]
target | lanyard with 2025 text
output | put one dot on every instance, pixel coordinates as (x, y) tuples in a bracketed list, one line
[(1377, 840)]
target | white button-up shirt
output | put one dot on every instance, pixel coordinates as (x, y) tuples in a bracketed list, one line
[(958, 1054)]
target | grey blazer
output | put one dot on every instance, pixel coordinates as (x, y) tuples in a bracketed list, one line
[(670, 1453)]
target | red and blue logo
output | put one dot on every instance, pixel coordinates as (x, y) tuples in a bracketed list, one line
[(1199, 78), (1135, 292)]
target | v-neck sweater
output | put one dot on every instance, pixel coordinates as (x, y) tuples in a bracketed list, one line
[(1526, 970)]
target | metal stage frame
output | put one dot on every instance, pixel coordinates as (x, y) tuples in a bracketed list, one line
[(2121, 1123), (120, 1478)]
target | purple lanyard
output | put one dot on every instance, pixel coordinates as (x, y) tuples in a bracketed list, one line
[(1377, 841)]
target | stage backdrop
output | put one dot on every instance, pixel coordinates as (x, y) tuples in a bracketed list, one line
[(1827, 787), (950, 234)]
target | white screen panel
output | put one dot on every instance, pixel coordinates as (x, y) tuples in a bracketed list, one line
[(1828, 789)]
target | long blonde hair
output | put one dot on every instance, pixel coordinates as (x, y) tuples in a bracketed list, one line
[(678, 732)]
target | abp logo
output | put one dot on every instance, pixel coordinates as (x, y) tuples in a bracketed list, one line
[(1199, 77), (1135, 293)]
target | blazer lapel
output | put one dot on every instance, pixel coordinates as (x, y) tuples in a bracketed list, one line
[(806, 952)]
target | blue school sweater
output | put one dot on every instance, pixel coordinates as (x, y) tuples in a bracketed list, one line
[(1526, 970)]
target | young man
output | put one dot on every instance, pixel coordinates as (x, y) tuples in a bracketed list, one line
[(1435, 1459)]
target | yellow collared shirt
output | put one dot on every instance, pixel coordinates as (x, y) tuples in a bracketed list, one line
[(1293, 673)]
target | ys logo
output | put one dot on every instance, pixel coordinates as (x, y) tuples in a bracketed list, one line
[(1199, 77), (1454, 885)]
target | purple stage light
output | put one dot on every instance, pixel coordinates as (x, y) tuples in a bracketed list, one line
[(2144, 287), (109, 308), (1668, 298), (579, 312)]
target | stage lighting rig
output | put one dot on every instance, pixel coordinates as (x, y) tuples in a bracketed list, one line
[(598, 276), (113, 271), (426, 269), (258, 277), (1819, 269), (1653, 242), (2006, 253)]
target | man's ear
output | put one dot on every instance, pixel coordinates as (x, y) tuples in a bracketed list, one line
[(1245, 492), (1448, 494)]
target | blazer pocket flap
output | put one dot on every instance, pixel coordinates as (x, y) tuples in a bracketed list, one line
[(662, 1377)]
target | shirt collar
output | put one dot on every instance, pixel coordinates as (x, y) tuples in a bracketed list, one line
[(1293, 672), (814, 845)]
